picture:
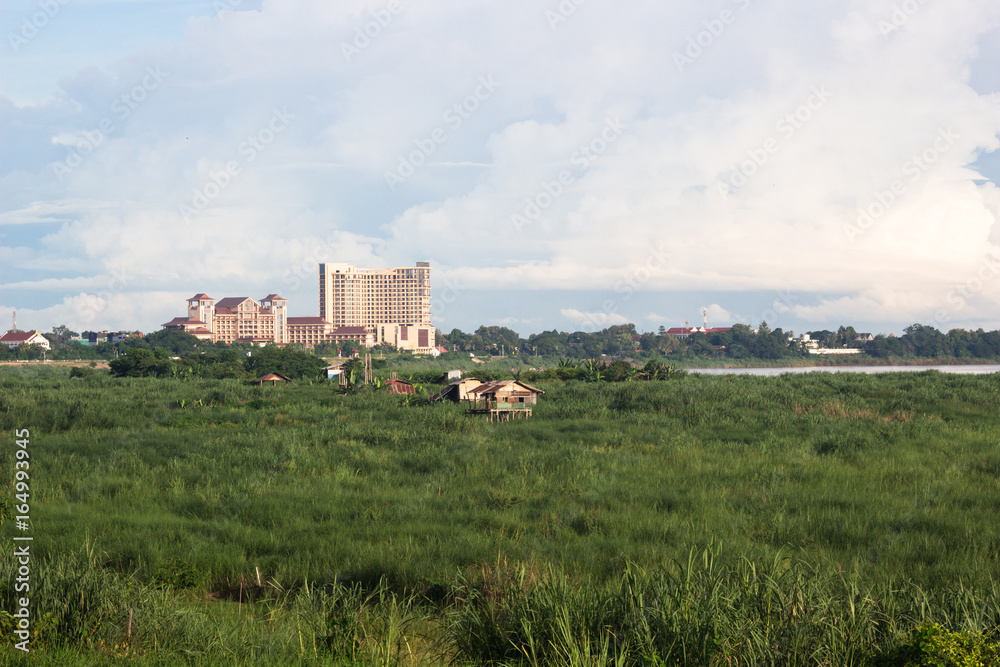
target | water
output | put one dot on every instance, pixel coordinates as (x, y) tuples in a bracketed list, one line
[(972, 369)]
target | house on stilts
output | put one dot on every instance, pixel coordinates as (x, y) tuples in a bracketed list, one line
[(503, 400)]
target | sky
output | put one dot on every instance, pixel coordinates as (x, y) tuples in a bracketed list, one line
[(562, 164)]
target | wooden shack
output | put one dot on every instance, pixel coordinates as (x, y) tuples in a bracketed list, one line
[(273, 378), (399, 387), (457, 391), (503, 399)]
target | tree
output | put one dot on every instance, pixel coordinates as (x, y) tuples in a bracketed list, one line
[(139, 362), (60, 336), (176, 342), (619, 371), (290, 363), (499, 338)]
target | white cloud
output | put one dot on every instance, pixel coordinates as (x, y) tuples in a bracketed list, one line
[(749, 167), (593, 320)]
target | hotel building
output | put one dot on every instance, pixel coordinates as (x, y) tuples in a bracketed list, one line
[(365, 306), (396, 303)]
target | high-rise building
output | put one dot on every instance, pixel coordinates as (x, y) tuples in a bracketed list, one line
[(395, 302)]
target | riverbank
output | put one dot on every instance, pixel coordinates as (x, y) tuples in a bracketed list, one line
[(819, 361)]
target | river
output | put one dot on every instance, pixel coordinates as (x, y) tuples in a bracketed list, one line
[(972, 369)]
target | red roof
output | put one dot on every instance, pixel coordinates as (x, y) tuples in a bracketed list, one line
[(223, 311), (199, 297), (178, 321), (18, 336), (274, 297), (350, 330), (232, 301), (307, 320)]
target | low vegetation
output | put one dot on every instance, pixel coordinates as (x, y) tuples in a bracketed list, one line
[(821, 519)]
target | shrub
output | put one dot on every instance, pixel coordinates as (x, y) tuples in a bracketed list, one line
[(935, 646)]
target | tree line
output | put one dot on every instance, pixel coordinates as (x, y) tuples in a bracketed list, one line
[(740, 342), (618, 341)]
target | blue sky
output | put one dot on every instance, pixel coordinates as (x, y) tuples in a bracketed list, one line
[(564, 164)]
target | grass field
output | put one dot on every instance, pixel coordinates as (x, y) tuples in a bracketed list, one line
[(803, 519)]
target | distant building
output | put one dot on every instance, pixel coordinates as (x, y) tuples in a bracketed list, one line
[(368, 307), (15, 339), (98, 337), (245, 320), (684, 332), (396, 303)]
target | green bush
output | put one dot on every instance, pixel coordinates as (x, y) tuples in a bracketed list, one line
[(935, 646)]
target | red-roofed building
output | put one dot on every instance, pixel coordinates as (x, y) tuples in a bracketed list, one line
[(311, 331), (235, 319), (240, 319), (15, 339)]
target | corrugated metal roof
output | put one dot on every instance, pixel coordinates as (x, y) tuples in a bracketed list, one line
[(494, 386)]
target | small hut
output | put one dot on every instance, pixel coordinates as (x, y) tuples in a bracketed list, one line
[(399, 387), (503, 399), (457, 391), (273, 378)]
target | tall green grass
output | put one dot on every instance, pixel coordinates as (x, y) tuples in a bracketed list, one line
[(851, 489)]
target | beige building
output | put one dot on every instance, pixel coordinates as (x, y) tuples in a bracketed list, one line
[(395, 303), (245, 320), (235, 319)]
